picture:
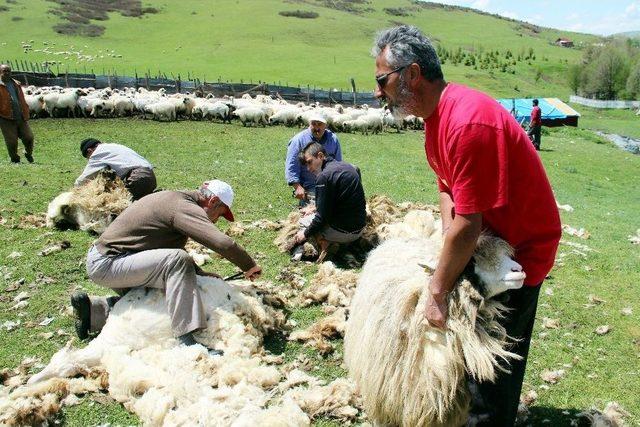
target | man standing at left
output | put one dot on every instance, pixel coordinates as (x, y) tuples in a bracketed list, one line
[(14, 116)]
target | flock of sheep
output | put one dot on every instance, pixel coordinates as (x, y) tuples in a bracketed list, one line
[(263, 110)]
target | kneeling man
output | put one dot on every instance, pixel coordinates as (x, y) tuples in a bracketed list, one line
[(340, 202)]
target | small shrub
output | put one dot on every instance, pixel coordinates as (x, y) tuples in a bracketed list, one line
[(149, 9), (303, 14), (73, 29), (396, 11), (77, 19), (4, 9), (17, 18)]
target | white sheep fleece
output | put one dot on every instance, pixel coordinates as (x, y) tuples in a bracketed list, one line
[(408, 372), (167, 384)]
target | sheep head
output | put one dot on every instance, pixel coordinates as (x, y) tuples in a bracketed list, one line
[(492, 268)]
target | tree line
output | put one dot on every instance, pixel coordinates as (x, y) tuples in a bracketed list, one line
[(609, 70)]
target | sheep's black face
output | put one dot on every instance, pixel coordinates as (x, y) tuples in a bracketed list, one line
[(492, 269)]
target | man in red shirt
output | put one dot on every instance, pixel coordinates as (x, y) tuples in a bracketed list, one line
[(535, 124), (489, 177)]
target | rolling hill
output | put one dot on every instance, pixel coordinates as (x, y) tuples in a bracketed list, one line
[(252, 41)]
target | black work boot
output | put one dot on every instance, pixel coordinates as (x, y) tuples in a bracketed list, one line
[(82, 311), (188, 340)]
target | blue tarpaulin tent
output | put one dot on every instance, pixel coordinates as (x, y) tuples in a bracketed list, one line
[(554, 111)]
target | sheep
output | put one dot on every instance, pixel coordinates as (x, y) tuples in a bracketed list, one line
[(218, 110), (122, 105), (286, 116), (90, 207), (104, 108), (408, 372), (66, 100), (251, 115), (35, 103), (162, 110)]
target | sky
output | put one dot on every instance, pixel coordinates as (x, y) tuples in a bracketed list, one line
[(604, 17)]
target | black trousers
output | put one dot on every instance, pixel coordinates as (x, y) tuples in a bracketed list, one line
[(534, 134), (496, 404)]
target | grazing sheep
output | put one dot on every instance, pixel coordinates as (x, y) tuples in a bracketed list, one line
[(90, 207), (408, 372), (253, 115)]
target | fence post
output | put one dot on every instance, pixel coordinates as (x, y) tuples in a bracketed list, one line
[(66, 77), (179, 84)]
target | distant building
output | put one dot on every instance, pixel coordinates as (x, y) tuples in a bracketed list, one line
[(564, 42)]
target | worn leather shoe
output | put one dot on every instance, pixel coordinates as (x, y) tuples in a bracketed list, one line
[(82, 311), (29, 157)]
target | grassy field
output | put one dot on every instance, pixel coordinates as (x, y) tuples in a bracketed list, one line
[(213, 40), (621, 122), (592, 176)]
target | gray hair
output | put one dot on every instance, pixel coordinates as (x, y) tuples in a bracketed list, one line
[(207, 194), (407, 44)]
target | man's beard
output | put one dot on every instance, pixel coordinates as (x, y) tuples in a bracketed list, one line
[(403, 106)]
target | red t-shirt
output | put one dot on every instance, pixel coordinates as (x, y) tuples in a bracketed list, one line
[(536, 118), (485, 161)]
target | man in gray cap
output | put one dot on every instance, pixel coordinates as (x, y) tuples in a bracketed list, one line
[(298, 175), (135, 171), (14, 116), (144, 247)]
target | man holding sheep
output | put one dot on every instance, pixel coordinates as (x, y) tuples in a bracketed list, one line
[(489, 177), (135, 171), (14, 116), (298, 175), (144, 247)]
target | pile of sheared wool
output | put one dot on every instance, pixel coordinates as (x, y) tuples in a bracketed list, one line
[(331, 285), (164, 383)]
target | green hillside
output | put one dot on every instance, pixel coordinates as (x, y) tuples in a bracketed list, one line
[(251, 41)]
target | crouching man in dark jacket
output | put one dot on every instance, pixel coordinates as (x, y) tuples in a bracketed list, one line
[(340, 203)]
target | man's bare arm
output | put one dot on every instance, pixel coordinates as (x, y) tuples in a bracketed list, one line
[(459, 243)]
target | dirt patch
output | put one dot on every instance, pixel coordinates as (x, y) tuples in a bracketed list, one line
[(80, 13)]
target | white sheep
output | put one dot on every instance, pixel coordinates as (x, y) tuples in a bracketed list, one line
[(66, 100), (35, 103), (217, 110), (162, 110), (253, 115), (286, 116), (408, 372)]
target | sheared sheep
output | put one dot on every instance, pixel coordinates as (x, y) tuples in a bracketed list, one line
[(90, 207), (410, 373)]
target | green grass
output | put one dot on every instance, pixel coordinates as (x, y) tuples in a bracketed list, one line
[(586, 173), (250, 41), (621, 122)]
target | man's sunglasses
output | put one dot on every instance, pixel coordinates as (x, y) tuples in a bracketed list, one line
[(382, 79)]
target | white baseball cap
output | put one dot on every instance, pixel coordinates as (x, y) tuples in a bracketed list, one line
[(317, 117), (224, 193)]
